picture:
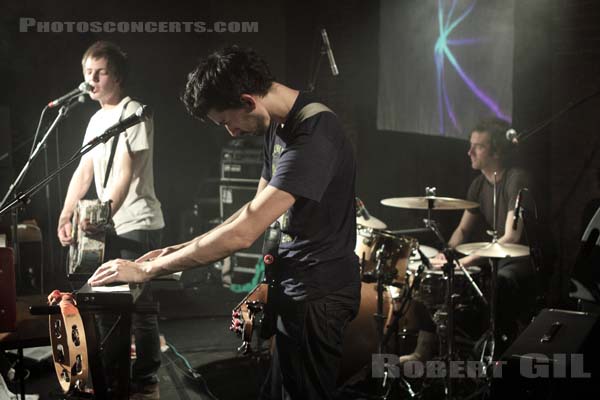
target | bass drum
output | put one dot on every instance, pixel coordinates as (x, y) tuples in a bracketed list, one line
[(360, 338)]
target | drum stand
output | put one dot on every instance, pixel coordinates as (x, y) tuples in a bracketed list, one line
[(384, 336), (488, 339), (451, 298)]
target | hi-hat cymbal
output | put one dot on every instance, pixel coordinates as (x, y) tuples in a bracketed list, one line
[(428, 251), (493, 249), (371, 222), (429, 202)]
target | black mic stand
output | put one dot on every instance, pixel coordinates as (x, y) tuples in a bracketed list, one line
[(62, 113), (312, 82), (23, 198), (527, 134)]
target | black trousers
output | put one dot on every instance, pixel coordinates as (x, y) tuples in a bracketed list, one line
[(144, 327), (308, 345), (516, 295)]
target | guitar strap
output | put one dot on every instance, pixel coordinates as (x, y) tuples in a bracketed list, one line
[(113, 149), (306, 112), (309, 110)]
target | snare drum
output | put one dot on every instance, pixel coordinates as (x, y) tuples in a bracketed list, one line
[(432, 289), (394, 252)]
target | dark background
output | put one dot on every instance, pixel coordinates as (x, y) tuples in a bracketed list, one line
[(556, 61)]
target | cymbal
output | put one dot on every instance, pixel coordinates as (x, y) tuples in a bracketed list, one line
[(429, 202), (429, 252), (371, 222), (494, 249)]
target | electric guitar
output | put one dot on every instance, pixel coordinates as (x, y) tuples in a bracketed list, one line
[(254, 313)]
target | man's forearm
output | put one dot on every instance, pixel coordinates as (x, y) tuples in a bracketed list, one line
[(456, 238), (215, 245), (77, 189), (118, 193), (229, 220)]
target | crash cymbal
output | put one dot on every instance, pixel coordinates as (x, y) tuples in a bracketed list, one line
[(493, 249), (429, 202), (370, 222)]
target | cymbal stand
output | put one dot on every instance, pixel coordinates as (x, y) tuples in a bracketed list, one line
[(473, 283), (450, 296), (450, 304), (379, 317), (489, 337)]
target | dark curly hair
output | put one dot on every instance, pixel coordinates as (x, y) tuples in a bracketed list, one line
[(496, 128), (220, 79), (116, 59)]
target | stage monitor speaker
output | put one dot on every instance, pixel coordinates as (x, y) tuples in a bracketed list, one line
[(8, 294), (555, 357)]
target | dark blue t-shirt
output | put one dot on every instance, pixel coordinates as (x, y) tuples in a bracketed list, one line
[(314, 162)]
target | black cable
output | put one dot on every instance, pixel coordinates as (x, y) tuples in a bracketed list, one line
[(195, 375)]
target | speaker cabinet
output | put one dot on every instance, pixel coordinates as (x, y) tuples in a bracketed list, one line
[(555, 357), (8, 295)]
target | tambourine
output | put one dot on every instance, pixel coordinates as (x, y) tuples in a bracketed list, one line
[(69, 345)]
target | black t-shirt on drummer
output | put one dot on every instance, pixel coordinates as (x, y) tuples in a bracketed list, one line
[(507, 188), (314, 162)]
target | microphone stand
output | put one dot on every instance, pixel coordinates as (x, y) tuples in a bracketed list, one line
[(23, 198), (527, 134), (312, 83), (62, 113)]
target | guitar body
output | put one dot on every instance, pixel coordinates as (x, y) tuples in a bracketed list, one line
[(254, 312), (249, 314), (88, 249)]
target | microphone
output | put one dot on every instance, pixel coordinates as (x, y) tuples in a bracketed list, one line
[(83, 88), (512, 136), (334, 68), (361, 210), (517, 210), (141, 114)]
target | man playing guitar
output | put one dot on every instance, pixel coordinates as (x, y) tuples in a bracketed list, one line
[(128, 186)]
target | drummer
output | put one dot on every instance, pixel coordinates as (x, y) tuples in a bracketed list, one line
[(488, 152)]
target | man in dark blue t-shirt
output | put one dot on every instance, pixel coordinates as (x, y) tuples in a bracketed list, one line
[(307, 187), (314, 161)]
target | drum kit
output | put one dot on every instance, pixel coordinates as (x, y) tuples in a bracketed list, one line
[(397, 270)]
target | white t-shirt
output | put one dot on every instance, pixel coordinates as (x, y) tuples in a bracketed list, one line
[(141, 209)]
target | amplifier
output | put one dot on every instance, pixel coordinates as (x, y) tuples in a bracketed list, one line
[(231, 199), (241, 161), (8, 295)]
